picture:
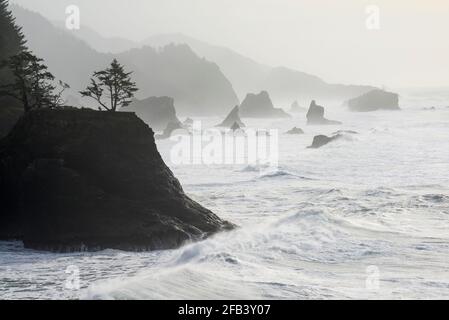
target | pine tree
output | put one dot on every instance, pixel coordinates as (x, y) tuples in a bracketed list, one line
[(32, 85), (12, 41), (111, 88)]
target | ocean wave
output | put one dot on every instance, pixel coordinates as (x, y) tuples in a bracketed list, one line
[(256, 250)]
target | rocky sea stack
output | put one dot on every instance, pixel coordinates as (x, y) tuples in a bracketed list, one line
[(322, 140), (375, 100), (295, 130), (260, 106), (232, 118), (157, 112), (315, 116), (75, 180)]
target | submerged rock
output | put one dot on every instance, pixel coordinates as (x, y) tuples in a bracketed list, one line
[(260, 106), (374, 100), (157, 112), (75, 180), (321, 140), (295, 130), (232, 118), (315, 116), (345, 132)]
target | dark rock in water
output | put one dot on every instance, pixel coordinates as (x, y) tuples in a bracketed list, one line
[(232, 118), (75, 180), (374, 100), (295, 131), (315, 116), (168, 131), (296, 108), (321, 140), (157, 112), (260, 106), (235, 127), (345, 132)]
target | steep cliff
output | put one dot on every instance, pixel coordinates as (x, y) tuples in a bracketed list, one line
[(87, 180)]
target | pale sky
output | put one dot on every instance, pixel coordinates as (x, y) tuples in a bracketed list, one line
[(328, 38)]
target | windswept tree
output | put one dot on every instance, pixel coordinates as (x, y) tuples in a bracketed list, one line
[(31, 83), (111, 88)]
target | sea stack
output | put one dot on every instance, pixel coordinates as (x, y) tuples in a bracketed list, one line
[(315, 116), (232, 118), (374, 100), (157, 112), (76, 180), (260, 106), (235, 127), (295, 130), (321, 140)]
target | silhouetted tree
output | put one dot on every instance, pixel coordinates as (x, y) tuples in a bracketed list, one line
[(32, 83), (113, 85), (11, 39)]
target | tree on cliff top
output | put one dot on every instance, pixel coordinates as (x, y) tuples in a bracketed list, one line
[(32, 83), (113, 85)]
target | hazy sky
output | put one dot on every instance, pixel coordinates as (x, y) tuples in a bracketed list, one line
[(328, 38)]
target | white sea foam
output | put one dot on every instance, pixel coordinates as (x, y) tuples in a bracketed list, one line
[(310, 228)]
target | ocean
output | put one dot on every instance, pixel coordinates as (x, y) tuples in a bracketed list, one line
[(364, 217)]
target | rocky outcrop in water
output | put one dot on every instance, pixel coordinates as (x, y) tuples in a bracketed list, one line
[(315, 116), (321, 140), (232, 118), (235, 127), (374, 100), (260, 106), (295, 130), (86, 180), (347, 132), (157, 112)]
